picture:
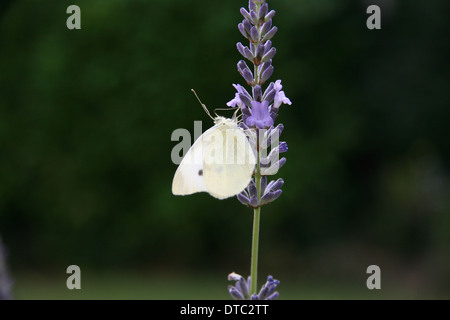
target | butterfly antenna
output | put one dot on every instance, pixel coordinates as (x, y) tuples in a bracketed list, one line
[(204, 107), (226, 109), (235, 113)]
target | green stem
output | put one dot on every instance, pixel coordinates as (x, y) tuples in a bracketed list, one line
[(255, 238), (255, 245)]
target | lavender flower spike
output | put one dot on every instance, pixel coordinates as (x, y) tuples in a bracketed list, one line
[(259, 111), (241, 289)]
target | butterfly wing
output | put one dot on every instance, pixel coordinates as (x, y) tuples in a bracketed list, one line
[(189, 178), (228, 161)]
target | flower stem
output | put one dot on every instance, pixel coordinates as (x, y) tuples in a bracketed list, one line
[(255, 245), (255, 237)]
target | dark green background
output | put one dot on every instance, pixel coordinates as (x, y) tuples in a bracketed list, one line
[(86, 118)]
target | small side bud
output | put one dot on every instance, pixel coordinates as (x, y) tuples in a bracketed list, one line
[(266, 74), (257, 93), (263, 11), (270, 34), (266, 27), (254, 34), (270, 15), (269, 55), (242, 30), (245, 14), (254, 17)]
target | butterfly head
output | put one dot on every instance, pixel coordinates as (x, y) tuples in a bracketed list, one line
[(222, 120)]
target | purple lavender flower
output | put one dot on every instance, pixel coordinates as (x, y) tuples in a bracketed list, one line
[(5, 280), (259, 109), (259, 112), (260, 117), (241, 290)]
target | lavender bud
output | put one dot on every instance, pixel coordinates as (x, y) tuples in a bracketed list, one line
[(267, 46), (235, 293), (241, 89), (266, 74), (270, 34), (257, 93), (259, 52), (243, 199), (254, 34), (245, 100), (247, 26), (263, 11), (270, 15), (242, 65), (269, 187), (234, 276), (254, 18), (269, 88), (266, 27), (276, 185), (273, 296), (240, 48), (269, 55), (245, 14), (271, 284), (281, 162), (252, 189), (263, 294), (268, 288), (253, 48), (263, 68), (273, 185), (251, 5), (263, 184), (271, 196), (248, 76), (245, 71), (254, 201), (241, 285), (248, 54), (270, 95), (283, 147), (255, 297), (242, 30)]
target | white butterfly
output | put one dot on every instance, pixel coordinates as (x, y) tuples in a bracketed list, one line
[(220, 162)]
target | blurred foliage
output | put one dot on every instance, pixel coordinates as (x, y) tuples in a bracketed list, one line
[(86, 118)]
